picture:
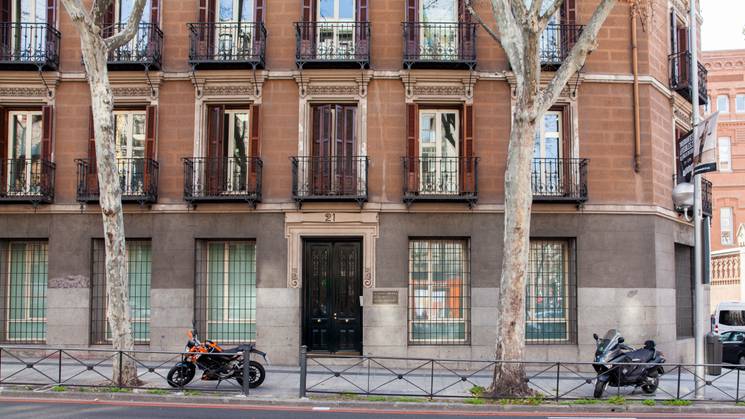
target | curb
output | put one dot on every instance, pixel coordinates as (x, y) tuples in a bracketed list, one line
[(238, 400)]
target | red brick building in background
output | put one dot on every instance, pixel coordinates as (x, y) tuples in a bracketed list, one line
[(726, 75), (331, 173)]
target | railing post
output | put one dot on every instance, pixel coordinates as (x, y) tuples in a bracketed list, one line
[(303, 370), (59, 370), (246, 371), (677, 396), (119, 376), (737, 387), (558, 372), (431, 379)]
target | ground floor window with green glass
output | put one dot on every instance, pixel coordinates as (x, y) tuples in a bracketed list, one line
[(226, 291), (439, 291), (139, 272), (23, 272), (550, 291)]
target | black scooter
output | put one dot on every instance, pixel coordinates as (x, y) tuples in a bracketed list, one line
[(614, 364)]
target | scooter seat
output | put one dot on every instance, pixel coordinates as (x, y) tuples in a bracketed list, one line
[(239, 348), (641, 355)]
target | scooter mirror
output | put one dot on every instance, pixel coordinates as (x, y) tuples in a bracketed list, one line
[(621, 340), (595, 336), (190, 335)]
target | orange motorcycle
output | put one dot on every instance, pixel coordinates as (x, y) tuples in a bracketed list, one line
[(216, 362)]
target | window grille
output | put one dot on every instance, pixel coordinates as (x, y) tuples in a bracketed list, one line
[(439, 292), (23, 291), (139, 268), (550, 294), (225, 309), (684, 289)]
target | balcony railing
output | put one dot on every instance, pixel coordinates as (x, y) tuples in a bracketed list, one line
[(441, 179), (26, 181), (227, 44), (144, 49), (222, 179), (439, 44), (680, 68), (329, 179), (556, 42), (559, 180), (138, 180), (320, 44), (706, 198), (31, 45)]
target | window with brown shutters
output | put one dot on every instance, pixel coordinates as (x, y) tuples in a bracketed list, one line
[(438, 31), (334, 165), (333, 31)]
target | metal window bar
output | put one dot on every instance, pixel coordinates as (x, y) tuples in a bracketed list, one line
[(28, 179), (559, 179), (329, 177), (332, 41), (439, 291), (222, 179), (29, 43), (226, 42), (439, 42), (556, 41), (679, 70), (225, 303), (23, 291), (550, 293), (138, 180), (144, 48), (139, 270)]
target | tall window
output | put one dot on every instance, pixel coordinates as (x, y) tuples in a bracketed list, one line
[(129, 128), (235, 29), (226, 291), (726, 225), (137, 47), (23, 270), (439, 291), (550, 292), (740, 103), (723, 103), (547, 155), (438, 37), (24, 150), (30, 37), (439, 133), (334, 166), (139, 269), (336, 28), (236, 150), (725, 154)]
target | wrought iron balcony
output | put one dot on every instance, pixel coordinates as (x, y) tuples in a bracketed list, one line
[(332, 44), (29, 46), (222, 180), (559, 180), (227, 44), (679, 66), (432, 179), (26, 181), (707, 206), (145, 49), (329, 179), (138, 180), (439, 45), (556, 42)]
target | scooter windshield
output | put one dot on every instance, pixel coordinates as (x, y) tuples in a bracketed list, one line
[(609, 340)]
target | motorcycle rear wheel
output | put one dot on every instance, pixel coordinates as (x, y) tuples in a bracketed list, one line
[(653, 382), (600, 387), (256, 374), (180, 375)]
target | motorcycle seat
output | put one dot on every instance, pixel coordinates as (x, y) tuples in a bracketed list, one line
[(641, 355), (239, 348)]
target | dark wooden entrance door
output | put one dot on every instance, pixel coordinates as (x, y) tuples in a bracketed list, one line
[(332, 318)]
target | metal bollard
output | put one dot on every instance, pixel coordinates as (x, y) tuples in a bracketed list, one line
[(246, 371), (303, 370)]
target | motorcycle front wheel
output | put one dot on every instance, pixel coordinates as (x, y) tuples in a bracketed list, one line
[(599, 388), (653, 380), (180, 375), (256, 375)]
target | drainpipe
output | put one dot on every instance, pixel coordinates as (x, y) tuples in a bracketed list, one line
[(635, 70)]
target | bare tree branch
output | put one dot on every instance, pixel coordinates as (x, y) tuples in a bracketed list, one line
[(587, 42), (133, 23), (509, 34), (98, 9), (546, 16), (77, 12), (493, 32), (535, 6)]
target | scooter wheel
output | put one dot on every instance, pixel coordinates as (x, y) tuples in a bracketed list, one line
[(180, 375), (599, 388), (256, 373), (652, 383)]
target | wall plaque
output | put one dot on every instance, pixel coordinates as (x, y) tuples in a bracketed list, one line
[(385, 297)]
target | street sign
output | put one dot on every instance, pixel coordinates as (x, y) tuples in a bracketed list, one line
[(697, 152)]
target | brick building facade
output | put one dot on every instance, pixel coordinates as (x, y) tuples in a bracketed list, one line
[(338, 182)]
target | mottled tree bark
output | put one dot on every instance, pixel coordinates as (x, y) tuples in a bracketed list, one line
[(519, 24), (95, 48)]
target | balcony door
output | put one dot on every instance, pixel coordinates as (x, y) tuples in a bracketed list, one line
[(129, 128), (548, 168), (24, 152), (234, 29), (550, 41), (334, 161), (235, 150), (438, 150), (137, 47), (335, 30), (30, 32), (438, 34)]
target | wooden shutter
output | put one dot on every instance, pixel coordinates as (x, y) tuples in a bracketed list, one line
[(683, 67), (151, 133), (412, 145), (569, 174), (345, 152), (6, 35), (412, 32), (3, 149), (92, 171), (47, 132), (362, 47), (320, 159), (568, 12), (206, 11), (52, 12), (309, 11), (362, 11), (109, 19), (255, 135), (307, 32), (154, 12), (673, 32), (466, 150), (259, 11), (215, 133), (5, 11)]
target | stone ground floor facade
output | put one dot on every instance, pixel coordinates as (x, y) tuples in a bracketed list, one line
[(409, 284)]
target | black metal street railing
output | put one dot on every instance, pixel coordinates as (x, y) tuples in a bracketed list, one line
[(559, 180), (435, 44), (227, 43), (329, 179), (706, 197), (138, 180), (317, 43), (222, 179), (144, 49), (457, 378), (23, 180), (35, 44), (440, 179), (556, 41), (679, 67)]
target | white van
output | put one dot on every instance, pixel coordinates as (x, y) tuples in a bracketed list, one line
[(729, 315)]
